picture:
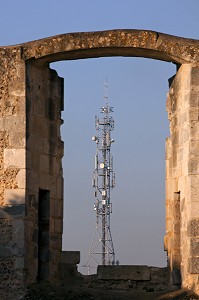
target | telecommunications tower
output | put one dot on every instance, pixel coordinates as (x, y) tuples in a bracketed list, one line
[(102, 251)]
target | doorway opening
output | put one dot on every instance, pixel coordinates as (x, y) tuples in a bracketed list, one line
[(137, 91), (176, 257), (43, 234)]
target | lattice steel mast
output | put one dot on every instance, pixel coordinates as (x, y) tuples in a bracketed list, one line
[(103, 182)]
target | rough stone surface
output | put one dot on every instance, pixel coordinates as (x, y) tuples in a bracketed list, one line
[(44, 105), (193, 228), (182, 185), (141, 43), (137, 273), (70, 257), (193, 265)]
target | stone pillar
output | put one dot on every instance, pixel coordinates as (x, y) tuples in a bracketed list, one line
[(192, 266), (12, 172), (31, 150), (44, 92), (182, 180)]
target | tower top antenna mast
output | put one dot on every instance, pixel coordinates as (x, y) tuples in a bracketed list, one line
[(106, 90), (102, 250)]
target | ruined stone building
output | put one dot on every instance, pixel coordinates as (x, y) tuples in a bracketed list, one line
[(31, 151)]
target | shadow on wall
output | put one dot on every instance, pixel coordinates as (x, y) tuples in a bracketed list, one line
[(12, 227), (12, 247), (14, 197)]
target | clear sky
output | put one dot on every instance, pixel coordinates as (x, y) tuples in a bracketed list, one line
[(137, 90)]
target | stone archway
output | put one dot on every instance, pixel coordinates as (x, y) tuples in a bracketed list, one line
[(31, 98), (136, 43)]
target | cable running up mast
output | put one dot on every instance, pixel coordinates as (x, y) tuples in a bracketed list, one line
[(103, 181)]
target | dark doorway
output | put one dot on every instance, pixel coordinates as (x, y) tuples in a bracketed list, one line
[(176, 251), (43, 235)]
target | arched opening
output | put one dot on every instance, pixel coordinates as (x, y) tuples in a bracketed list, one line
[(127, 43), (137, 90)]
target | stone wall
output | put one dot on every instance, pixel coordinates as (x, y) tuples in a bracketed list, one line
[(68, 266), (182, 189), (193, 184), (30, 159), (138, 277), (44, 169), (12, 171), (177, 147)]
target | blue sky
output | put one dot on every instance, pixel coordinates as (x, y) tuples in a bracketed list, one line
[(28, 20), (137, 90)]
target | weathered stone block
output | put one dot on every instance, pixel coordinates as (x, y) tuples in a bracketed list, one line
[(5, 231), (193, 265), (14, 196), (60, 188), (55, 241), (14, 158), (17, 140), (21, 179), (19, 263), (6, 251), (57, 167), (18, 122), (183, 135), (39, 126), (44, 164), (7, 271), (32, 181), (194, 97), (58, 225), (34, 161), (193, 166), (193, 228), (56, 208), (138, 273), (194, 247), (194, 128), (18, 230), (195, 77), (182, 118), (193, 116), (177, 228), (193, 209), (36, 145), (46, 145), (15, 210), (193, 183), (194, 149), (70, 257)]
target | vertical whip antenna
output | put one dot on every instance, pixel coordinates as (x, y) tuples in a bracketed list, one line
[(106, 91)]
